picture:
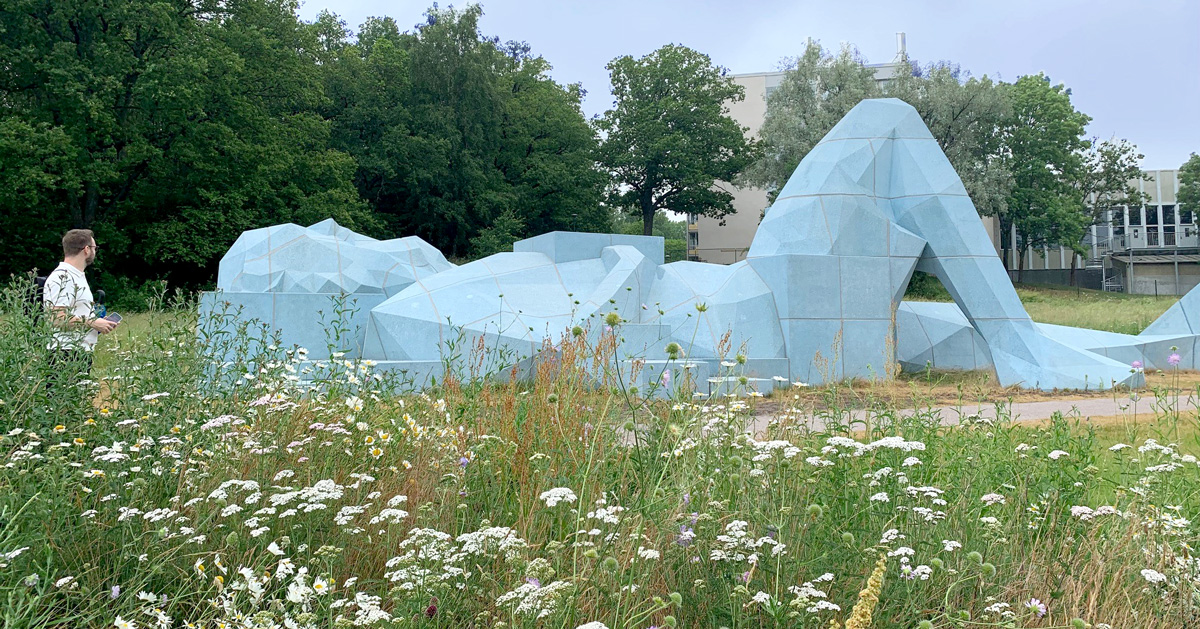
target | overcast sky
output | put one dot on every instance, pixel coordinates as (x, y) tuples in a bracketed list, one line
[(1134, 66)]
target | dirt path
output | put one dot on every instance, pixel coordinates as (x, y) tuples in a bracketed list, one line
[(1016, 411)]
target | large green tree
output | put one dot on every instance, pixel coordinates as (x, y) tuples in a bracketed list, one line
[(458, 138), (669, 143), (173, 125), (818, 88), (1109, 168), (1045, 143)]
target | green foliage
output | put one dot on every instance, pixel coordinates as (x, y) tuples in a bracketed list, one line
[(1109, 169), (674, 249), (1045, 143), (926, 287), (499, 236), (35, 164), (663, 226), (171, 126), (1189, 185), (669, 142), (818, 88), (673, 233), (452, 130)]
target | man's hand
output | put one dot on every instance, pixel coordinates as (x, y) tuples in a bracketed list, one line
[(103, 326)]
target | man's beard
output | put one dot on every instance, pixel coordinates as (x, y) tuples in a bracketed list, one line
[(91, 258)]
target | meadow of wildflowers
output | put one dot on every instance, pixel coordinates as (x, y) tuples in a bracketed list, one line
[(265, 491)]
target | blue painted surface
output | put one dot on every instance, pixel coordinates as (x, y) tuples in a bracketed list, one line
[(818, 297)]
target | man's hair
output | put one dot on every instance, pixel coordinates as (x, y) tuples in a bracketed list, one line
[(77, 240)]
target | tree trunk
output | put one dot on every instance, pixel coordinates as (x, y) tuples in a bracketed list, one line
[(75, 208), (1006, 244), (1021, 263), (647, 216), (1074, 259), (91, 201)]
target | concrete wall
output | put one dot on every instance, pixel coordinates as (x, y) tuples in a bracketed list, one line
[(1148, 278), (1084, 278)]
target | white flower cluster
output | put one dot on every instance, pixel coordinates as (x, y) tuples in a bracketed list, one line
[(534, 600), (812, 598), (1087, 513), (431, 556), (993, 499), (737, 545), (836, 445), (559, 494)]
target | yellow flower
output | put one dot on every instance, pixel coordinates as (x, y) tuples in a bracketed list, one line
[(369, 440), (175, 430), (89, 421), (77, 441), (96, 473), (60, 428), (105, 412), (385, 437), (868, 598), (376, 452)]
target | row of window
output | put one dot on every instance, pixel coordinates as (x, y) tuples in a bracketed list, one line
[(1150, 215)]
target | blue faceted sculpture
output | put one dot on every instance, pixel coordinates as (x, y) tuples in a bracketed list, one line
[(817, 299)]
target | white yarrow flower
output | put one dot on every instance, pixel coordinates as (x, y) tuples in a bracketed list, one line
[(559, 494), (1153, 576)]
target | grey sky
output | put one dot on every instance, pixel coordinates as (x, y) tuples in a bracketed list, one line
[(1133, 66)]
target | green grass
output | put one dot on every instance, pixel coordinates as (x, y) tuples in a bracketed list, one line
[(1077, 307), (236, 502), (1098, 310)]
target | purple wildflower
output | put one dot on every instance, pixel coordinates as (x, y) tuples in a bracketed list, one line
[(686, 535), (1173, 360), (1037, 607)]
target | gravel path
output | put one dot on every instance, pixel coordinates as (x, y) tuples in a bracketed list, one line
[(1018, 411)]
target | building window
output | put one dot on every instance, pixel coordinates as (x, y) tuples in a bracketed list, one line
[(1118, 216), (1151, 215), (1186, 217), (693, 240), (1135, 216), (1168, 214)]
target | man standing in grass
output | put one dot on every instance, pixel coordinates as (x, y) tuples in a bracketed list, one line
[(68, 296)]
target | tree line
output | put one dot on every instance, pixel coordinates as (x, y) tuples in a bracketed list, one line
[(171, 126)]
